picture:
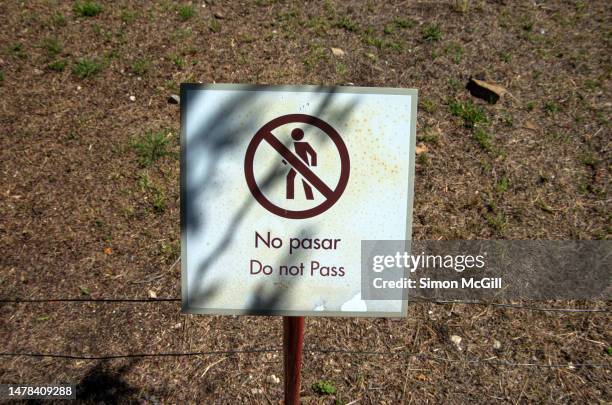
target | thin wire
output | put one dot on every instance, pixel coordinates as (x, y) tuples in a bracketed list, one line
[(511, 306), (127, 356), (42, 300), (325, 351), (153, 300), (473, 361)]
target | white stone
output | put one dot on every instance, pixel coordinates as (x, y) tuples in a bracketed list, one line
[(272, 379)]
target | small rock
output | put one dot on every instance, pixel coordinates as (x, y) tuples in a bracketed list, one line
[(456, 339), (38, 72), (337, 51), (496, 344), (132, 98), (178, 325), (174, 99), (79, 87), (486, 91), (219, 16), (152, 294), (272, 379)]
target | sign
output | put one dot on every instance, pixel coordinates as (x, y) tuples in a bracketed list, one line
[(279, 187)]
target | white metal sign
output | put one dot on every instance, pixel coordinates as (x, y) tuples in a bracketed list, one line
[(279, 186)]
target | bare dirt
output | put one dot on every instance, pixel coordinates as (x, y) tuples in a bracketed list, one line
[(85, 213)]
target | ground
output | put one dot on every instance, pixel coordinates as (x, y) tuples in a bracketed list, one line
[(89, 204)]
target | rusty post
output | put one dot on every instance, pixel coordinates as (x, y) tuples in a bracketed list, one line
[(293, 338)]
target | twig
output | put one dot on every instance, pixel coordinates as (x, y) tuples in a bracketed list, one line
[(522, 391), (174, 264), (211, 365), (148, 280)]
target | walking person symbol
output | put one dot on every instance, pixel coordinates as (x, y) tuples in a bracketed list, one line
[(301, 159), (304, 151)]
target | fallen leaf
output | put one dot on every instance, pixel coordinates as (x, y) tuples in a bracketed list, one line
[(152, 294), (337, 51), (531, 125), (108, 251), (421, 377), (421, 148)]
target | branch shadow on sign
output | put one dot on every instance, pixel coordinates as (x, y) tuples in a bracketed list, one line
[(215, 137), (270, 294)]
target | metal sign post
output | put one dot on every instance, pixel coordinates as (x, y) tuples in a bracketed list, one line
[(293, 339)]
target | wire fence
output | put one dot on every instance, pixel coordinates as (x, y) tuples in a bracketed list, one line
[(417, 301), (425, 356)]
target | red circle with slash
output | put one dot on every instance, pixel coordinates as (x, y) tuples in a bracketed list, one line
[(265, 134)]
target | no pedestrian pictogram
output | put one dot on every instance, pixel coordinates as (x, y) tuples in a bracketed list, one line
[(300, 162)]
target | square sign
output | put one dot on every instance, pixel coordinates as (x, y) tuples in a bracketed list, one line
[(279, 186)]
